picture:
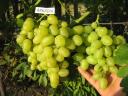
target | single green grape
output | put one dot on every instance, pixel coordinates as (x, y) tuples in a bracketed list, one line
[(106, 40), (30, 35), (38, 49), (78, 57), (107, 51), (64, 64), (48, 40), (20, 39), (28, 24), (64, 32), (84, 64), (70, 44), (96, 44), (37, 39), (51, 62), (64, 52), (63, 72), (101, 61), (94, 25), (52, 19), (27, 45), (110, 61), (88, 29), (91, 60), (54, 30), (48, 52), (99, 53), (92, 37), (64, 24), (77, 40), (103, 83), (78, 29), (54, 80), (101, 31), (60, 41), (59, 58), (44, 23)]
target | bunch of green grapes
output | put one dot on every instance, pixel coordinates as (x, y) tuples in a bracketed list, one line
[(49, 45), (100, 47)]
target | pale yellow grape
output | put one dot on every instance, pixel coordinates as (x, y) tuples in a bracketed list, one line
[(88, 29), (64, 51), (44, 23), (88, 51), (52, 19), (60, 41), (64, 24), (77, 40), (55, 51), (48, 40), (43, 31), (51, 62), (54, 80), (107, 51), (59, 58), (28, 24), (52, 70), (101, 31), (30, 35), (106, 40), (63, 72), (91, 59), (42, 66), (84, 64), (27, 44), (96, 44), (70, 44), (97, 68), (64, 64), (37, 39), (48, 52), (92, 37), (20, 39), (110, 61), (78, 29), (38, 49), (54, 30), (99, 53), (105, 68), (101, 61), (119, 40), (64, 32), (23, 32)]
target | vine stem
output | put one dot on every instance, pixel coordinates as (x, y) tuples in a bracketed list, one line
[(110, 23), (41, 17), (82, 17)]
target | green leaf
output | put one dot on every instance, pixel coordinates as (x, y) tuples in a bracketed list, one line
[(121, 54), (35, 76), (3, 62), (122, 72), (42, 80), (124, 83), (28, 72)]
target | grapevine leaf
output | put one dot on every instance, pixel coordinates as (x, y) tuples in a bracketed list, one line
[(121, 55), (42, 80), (124, 83), (122, 72)]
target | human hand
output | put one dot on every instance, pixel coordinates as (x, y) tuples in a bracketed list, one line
[(113, 88)]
